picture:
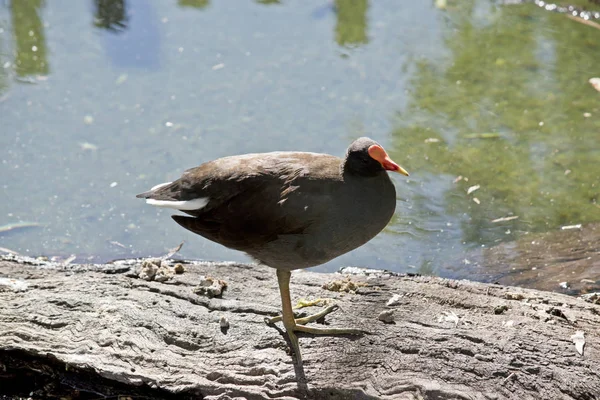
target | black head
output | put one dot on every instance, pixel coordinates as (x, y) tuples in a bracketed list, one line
[(358, 160), (366, 157)]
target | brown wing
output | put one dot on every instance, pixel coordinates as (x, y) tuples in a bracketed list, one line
[(254, 199)]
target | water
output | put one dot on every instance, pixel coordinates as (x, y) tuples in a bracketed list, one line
[(101, 100)]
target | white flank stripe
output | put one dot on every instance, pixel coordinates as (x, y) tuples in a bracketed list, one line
[(160, 185), (186, 205)]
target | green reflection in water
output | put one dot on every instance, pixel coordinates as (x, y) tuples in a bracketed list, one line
[(111, 15), (512, 111), (193, 3), (267, 2), (28, 31), (351, 26)]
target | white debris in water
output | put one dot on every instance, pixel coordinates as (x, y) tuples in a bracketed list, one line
[(595, 82), (564, 285), (473, 188), (567, 227)]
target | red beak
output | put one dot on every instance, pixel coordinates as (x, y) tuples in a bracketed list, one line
[(378, 153)]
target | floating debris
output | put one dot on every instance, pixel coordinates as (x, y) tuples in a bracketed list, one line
[(504, 219), (488, 135), (173, 251), (9, 251), (432, 140), (121, 79), (115, 243), (579, 339), (564, 285), (476, 200), (88, 146), (458, 179), (595, 82), (473, 188), (387, 316), (218, 66), (584, 21), (567, 227), (18, 225), (88, 120), (114, 184)]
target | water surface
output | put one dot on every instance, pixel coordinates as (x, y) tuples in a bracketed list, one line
[(488, 106)]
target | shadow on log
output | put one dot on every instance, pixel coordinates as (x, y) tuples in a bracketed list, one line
[(92, 331)]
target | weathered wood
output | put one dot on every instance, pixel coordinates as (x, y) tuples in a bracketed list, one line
[(101, 329)]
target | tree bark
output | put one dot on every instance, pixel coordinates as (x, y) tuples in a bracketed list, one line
[(101, 330)]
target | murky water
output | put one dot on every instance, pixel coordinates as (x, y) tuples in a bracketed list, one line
[(488, 106)]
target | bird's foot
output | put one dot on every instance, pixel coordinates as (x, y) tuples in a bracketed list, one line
[(297, 325), (304, 320)]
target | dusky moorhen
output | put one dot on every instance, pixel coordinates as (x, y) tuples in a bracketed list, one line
[(287, 210)]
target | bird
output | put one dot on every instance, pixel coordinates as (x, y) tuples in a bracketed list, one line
[(287, 210)]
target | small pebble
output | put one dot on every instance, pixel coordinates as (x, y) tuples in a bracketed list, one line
[(394, 300), (386, 316), (224, 323), (500, 309), (178, 268)]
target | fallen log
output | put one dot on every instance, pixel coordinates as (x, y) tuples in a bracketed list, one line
[(91, 331)]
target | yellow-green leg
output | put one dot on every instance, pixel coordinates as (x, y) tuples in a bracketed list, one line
[(293, 325)]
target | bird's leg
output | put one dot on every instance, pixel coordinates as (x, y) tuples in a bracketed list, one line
[(287, 314), (297, 325)]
